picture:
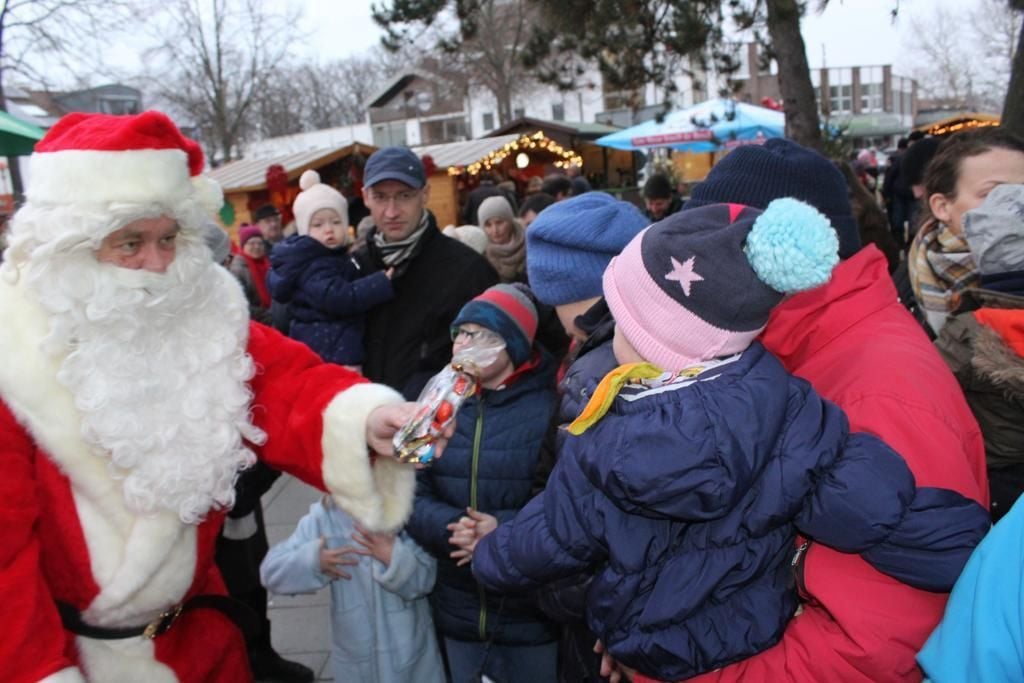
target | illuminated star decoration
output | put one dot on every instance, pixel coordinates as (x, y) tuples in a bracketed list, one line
[(683, 273)]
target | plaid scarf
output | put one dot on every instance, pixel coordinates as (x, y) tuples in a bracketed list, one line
[(941, 268), (397, 253)]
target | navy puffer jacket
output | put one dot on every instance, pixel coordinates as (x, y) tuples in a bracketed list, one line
[(326, 295), (686, 499), (489, 465)]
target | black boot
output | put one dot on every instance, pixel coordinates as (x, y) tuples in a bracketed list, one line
[(270, 667)]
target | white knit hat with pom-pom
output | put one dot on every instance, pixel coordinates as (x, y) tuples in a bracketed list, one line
[(315, 196)]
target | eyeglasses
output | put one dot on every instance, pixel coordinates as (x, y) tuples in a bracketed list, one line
[(403, 198), (471, 335)]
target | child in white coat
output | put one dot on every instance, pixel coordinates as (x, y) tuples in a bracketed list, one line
[(382, 631)]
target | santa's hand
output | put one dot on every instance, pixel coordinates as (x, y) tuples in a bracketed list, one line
[(384, 421), (333, 559)]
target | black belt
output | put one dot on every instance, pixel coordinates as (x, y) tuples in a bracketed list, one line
[(243, 617)]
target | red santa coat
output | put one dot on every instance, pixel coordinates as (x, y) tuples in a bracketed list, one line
[(859, 347), (67, 536)]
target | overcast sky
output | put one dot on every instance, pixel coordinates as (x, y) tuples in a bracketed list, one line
[(848, 33), (853, 32)]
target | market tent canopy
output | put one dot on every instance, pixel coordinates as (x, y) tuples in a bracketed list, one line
[(250, 175), (705, 127), (17, 137)]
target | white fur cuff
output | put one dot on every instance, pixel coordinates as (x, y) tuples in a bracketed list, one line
[(68, 675), (378, 496)]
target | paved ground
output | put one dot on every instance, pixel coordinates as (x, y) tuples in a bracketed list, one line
[(300, 625)]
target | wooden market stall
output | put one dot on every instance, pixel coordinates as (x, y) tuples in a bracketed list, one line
[(602, 166), (453, 168), (250, 183)]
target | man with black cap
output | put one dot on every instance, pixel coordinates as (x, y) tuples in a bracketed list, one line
[(408, 338), (862, 350), (268, 220), (659, 199)]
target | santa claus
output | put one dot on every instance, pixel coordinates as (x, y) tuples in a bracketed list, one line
[(133, 388)]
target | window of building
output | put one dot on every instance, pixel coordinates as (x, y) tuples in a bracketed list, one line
[(558, 111), (871, 85), (840, 91), (118, 105), (489, 120)]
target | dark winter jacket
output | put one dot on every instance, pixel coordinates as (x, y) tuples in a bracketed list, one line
[(408, 339), (327, 297), (981, 354), (488, 465), (686, 499)]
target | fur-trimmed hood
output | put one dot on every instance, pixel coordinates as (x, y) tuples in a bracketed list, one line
[(994, 359), (996, 327)]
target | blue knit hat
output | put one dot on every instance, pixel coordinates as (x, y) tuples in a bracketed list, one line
[(754, 175), (509, 312), (570, 243)]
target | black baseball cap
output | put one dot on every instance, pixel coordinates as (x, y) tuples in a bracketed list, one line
[(395, 163)]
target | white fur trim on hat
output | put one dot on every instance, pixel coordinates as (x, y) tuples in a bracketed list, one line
[(315, 196), (133, 176)]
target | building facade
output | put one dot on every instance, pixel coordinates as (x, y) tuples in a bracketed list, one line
[(869, 104)]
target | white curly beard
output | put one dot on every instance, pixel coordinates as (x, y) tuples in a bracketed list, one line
[(158, 370)]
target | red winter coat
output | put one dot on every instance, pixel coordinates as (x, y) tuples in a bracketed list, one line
[(67, 536), (861, 349)]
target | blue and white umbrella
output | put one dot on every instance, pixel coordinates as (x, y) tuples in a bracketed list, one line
[(705, 127)]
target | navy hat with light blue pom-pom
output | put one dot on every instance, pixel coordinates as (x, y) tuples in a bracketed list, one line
[(701, 283)]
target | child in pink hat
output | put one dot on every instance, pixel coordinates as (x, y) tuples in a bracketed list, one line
[(699, 459)]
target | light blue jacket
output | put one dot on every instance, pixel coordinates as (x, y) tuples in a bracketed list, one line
[(382, 631), (981, 636)]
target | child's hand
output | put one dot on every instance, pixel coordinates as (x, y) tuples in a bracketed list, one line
[(377, 546), (333, 559), (610, 669), (467, 532), (390, 272)]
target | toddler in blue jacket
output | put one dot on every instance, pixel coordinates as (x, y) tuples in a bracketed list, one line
[(381, 627), (312, 272), (698, 459)]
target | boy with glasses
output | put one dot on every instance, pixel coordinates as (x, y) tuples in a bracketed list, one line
[(484, 478)]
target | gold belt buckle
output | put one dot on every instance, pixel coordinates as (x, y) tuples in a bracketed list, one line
[(163, 622)]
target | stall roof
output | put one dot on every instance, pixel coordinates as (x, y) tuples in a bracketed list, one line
[(250, 175), (590, 131), (463, 153)]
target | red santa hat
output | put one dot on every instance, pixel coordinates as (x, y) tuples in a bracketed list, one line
[(101, 158)]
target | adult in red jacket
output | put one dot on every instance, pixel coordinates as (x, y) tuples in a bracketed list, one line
[(861, 349), (132, 391)]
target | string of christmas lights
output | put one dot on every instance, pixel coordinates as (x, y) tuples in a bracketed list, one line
[(537, 141), (962, 125)]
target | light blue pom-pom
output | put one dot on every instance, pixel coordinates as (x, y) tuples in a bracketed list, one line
[(792, 246)]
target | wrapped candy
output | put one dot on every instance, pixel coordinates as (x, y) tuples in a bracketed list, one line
[(441, 399)]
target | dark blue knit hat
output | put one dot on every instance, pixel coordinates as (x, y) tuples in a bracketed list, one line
[(570, 243), (754, 175)]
